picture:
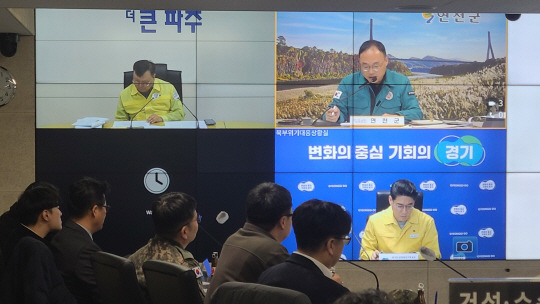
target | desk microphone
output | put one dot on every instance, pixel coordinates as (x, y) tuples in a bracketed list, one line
[(221, 218), (211, 236), (362, 247), (154, 96), (196, 119), (326, 123), (373, 273), (429, 254)]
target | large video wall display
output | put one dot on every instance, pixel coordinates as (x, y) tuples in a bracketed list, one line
[(454, 109)]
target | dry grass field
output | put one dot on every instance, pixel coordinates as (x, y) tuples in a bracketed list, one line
[(454, 98)]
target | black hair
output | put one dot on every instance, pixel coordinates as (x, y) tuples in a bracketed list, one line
[(171, 212), (140, 67), (315, 221), (37, 197), (403, 187), (84, 194), (368, 44), (266, 204), (368, 296)]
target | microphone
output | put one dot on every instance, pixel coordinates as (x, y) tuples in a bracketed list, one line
[(362, 247), (196, 119), (221, 218), (211, 236), (154, 96), (429, 254), (373, 273), (326, 123)]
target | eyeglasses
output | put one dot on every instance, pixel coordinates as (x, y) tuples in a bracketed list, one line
[(288, 215), (406, 207), (145, 83), (374, 67), (346, 239)]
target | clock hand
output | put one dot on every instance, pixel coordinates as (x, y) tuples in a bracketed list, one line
[(157, 179)]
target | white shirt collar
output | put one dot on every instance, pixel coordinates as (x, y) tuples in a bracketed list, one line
[(88, 231), (327, 272)]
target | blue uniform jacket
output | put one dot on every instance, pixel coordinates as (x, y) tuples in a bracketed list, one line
[(353, 97)]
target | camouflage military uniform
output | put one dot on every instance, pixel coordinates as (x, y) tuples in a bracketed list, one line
[(159, 248)]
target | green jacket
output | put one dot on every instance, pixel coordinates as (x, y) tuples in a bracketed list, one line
[(353, 97)]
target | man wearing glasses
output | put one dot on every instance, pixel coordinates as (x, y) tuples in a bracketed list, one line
[(176, 223), (149, 98), (400, 228), (74, 244), (374, 91), (257, 245), (321, 229)]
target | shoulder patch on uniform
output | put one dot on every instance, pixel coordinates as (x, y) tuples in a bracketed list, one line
[(198, 271), (337, 94), (411, 93), (176, 96)]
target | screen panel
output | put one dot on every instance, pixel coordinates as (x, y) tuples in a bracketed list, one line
[(253, 67)]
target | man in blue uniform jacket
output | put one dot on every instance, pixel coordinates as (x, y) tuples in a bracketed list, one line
[(374, 90)]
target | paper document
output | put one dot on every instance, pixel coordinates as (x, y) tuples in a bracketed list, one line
[(90, 122), (413, 256), (167, 125)]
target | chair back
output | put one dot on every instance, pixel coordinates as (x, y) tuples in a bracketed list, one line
[(171, 283), (248, 293), (174, 77), (116, 279), (382, 200)]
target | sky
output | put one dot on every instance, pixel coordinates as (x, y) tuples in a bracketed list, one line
[(405, 35)]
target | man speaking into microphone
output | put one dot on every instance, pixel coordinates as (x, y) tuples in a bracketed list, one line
[(149, 98), (400, 228), (374, 91)]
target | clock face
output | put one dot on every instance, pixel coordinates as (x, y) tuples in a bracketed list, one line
[(7, 86), (156, 180)]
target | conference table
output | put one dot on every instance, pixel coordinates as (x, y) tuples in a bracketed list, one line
[(161, 125)]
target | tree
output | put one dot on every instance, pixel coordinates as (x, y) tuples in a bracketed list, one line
[(281, 41)]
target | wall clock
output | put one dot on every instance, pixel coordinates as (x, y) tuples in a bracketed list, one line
[(7, 86), (156, 180)]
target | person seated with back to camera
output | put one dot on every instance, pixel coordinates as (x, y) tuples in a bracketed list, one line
[(321, 230), (176, 223), (256, 246), (74, 245), (368, 296), (400, 228), (30, 274), (149, 98)]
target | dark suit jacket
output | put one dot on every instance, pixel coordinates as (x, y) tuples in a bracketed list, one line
[(72, 248), (301, 274), (14, 236), (31, 276)]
